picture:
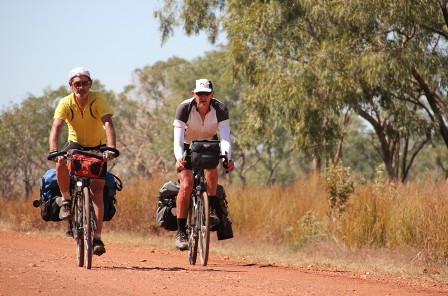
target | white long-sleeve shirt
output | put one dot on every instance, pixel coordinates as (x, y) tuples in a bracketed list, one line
[(188, 126)]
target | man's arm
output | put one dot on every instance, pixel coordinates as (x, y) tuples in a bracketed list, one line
[(54, 133), (178, 142), (110, 130)]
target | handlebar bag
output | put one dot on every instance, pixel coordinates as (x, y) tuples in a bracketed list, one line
[(205, 154), (85, 164)]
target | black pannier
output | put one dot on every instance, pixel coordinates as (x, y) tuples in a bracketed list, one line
[(111, 186), (205, 154), (224, 228), (50, 197), (166, 208)]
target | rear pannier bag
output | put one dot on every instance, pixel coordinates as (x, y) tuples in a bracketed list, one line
[(50, 196), (166, 208), (205, 154), (224, 228)]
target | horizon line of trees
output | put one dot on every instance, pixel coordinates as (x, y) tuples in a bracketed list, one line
[(308, 84)]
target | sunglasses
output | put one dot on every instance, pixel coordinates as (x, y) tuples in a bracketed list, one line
[(81, 83), (203, 93)]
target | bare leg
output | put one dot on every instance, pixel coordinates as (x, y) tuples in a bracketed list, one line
[(63, 177), (183, 197), (212, 181), (97, 187)]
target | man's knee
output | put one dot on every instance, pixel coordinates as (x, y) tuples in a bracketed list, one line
[(186, 181), (61, 170), (212, 176), (212, 173), (97, 187), (186, 185)]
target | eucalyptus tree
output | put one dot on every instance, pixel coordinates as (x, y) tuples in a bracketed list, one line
[(24, 131), (398, 62), (308, 62)]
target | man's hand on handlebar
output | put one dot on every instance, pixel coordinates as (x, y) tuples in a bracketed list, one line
[(180, 164), (59, 158), (108, 155), (228, 165)]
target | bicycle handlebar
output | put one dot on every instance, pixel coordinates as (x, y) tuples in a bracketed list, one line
[(114, 150), (53, 155)]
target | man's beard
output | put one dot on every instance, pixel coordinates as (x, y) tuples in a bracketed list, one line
[(80, 95)]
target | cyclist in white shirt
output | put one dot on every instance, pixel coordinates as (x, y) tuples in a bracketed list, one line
[(202, 117)]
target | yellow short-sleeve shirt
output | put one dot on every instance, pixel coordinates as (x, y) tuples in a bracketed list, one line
[(86, 127)]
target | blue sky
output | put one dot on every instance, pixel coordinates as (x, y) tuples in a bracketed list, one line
[(41, 41)]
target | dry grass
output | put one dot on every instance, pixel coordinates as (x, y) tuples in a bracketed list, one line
[(270, 213), (384, 228), (391, 216)]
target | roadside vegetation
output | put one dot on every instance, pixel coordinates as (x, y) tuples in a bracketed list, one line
[(379, 228)]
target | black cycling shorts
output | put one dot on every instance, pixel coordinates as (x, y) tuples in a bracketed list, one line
[(74, 145)]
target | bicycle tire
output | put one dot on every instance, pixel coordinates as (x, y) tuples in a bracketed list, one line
[(192, 234), (204, 230), (87, 225), (78, 230)]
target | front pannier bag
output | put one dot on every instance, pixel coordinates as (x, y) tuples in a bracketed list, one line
[(50, 197), (85, 164), (111, 186), (205, 154), (166, 209)]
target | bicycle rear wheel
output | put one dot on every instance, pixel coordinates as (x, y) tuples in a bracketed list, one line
[(77, 216), (192, 234), (204, 231), (88, 231)]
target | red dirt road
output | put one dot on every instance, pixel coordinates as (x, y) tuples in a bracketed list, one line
[(40, 265)]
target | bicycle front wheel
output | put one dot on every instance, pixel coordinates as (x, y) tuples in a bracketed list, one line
[(88, 231), (192, 233), (204, 231), (77, 216)]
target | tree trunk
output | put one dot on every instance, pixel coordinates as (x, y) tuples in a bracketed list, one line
[(317, 165)]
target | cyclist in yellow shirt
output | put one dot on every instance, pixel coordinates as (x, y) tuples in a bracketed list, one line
[(89, 121)]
